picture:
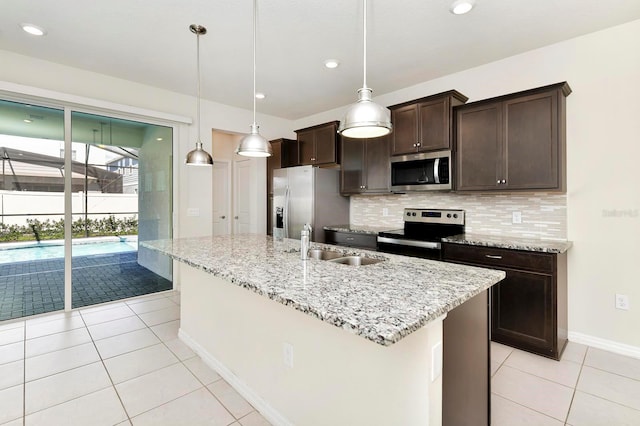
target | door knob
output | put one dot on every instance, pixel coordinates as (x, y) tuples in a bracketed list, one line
[(236, 217), (222, 217)]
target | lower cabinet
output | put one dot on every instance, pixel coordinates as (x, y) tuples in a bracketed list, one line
[(529, 307), (351, 239)]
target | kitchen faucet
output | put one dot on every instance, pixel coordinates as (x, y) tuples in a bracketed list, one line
[(305, 236)]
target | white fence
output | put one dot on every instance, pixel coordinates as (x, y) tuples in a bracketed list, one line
[(16, 206)]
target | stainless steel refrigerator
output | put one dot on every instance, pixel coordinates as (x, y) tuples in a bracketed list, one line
[(307, 194)]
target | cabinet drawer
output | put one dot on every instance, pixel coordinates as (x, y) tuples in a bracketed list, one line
[(351, 239), (499, 258)]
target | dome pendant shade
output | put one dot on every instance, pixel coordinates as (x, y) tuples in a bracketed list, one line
[(365, 118), (199, 157), (254, 145)]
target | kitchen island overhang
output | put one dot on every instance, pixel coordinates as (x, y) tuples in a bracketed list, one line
[(398, 304)]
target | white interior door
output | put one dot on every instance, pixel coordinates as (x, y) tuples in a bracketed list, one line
[(242, 197), (221, 197)]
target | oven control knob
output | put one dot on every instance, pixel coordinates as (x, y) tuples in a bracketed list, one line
[(408, 214), (448, 214), (455, 215), (413, 214)]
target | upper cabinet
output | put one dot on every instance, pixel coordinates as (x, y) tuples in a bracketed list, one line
[(424, 124), (365, 166), (514, 142), (319, 145)]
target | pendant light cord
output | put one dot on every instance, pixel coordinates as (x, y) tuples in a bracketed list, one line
[(198, 72), (364, 25), (254, 61)]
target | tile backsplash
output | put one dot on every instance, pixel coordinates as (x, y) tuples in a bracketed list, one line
[(544, 215)]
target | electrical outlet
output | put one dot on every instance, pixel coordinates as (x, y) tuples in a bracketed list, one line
[(385, 211), (516, 217), (287, 354), (622, 302)]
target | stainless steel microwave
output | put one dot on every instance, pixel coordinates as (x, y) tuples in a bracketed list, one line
[(426, 171)]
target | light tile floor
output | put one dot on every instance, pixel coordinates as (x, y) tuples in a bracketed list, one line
[(587, 387), (122, 364), (114, 364)]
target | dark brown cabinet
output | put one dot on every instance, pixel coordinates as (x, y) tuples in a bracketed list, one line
[(529, 307), (351, 239), (319, 145), (365, 166), (285, 154), (424, 124), (514, 142)]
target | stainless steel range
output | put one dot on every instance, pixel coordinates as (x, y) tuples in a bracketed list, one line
[(422, 233)]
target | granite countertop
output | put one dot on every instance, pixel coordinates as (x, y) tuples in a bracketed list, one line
[(512, 243), (383, 302), (356, 229)]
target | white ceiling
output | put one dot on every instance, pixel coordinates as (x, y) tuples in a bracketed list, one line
[(410, 41)]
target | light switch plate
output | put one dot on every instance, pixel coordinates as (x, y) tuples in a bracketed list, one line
[(516, 217), (193, 211)]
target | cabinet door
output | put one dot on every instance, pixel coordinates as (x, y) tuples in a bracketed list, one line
[(273, 162), (531, 140), (435, 125), (352, 167), (289, 153), (325, 142), (307, 147), (405, 129), (479, 147), (377, 165), (523, 311)]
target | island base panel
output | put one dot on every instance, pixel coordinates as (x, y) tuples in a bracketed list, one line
[(337, 377)]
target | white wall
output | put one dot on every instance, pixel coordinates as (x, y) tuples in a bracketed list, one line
[(603, 199), (193, 183)]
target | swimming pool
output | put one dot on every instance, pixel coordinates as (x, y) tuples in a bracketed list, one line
[(53, 251)]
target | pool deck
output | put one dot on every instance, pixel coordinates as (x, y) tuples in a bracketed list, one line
[(37, 286)]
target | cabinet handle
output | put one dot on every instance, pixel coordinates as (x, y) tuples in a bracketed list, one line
[(501, 181), (418, 144), (504, 181), (222, 217), (236, 217), (350, 238), (492, 256)]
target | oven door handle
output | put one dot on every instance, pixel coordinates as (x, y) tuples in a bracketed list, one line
[(412, 243)]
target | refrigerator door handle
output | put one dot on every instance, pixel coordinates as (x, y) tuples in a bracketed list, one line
[(286, 212)]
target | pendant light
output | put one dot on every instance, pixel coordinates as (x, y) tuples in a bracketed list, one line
[(365, 118), (198, 157), (254, 145)]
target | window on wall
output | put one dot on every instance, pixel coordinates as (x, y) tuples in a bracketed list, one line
[(120, 188)]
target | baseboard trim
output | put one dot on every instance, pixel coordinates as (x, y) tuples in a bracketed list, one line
[(268, 412), (607, 345)]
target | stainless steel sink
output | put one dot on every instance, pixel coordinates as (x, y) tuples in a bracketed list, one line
[(319, 254), (355, 260), (337, 257)]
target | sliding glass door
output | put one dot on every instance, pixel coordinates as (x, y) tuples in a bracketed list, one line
[(118, 178)]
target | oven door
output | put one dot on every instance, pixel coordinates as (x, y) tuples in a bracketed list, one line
[(414, 248)]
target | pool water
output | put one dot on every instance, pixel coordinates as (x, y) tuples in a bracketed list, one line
[(25, 254)]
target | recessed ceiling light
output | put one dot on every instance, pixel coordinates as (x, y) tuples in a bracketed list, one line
[(460, 7), (159, 139), (33, 29), (260, 95), (26, 120), (331, 63)]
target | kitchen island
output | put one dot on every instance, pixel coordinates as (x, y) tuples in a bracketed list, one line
[(315, 342)]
